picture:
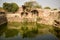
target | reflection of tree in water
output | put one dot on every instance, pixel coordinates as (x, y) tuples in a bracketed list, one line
[(8, 32), (11, 33), (3, 26), (57, 27), (57, 30), (25, 30)]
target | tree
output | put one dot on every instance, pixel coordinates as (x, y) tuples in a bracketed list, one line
[(37, 6), (31, 4), (55, 9), (1, 8), (47, 8), (10, 7)]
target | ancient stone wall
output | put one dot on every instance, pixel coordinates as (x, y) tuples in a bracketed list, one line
[(3, 18), (46, 16)]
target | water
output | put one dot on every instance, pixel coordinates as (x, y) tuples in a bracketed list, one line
[(13, 34), (41, 37)]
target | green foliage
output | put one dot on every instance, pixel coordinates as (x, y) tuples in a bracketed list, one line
[(29, 5), (55, 9), (10, 7), (38, 6), (47, 8)]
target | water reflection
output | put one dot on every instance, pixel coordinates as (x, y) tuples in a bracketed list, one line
[(3, 28), (11, 33), (8, 32), (3, 22), (24, 33)]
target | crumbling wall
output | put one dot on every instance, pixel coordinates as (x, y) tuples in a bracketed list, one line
[(47, 16)]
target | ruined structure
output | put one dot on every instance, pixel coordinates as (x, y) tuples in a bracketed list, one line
[(3, 18), (44, 16)]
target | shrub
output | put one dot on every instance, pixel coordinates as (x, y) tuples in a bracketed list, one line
[(10, 7)]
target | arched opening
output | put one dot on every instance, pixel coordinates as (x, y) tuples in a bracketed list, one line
[(34, 12), (23, 7), (24, 13)]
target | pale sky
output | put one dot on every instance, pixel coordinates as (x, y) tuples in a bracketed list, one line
[(50, 3)]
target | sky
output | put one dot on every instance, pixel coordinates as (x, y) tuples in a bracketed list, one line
[(43, 3)]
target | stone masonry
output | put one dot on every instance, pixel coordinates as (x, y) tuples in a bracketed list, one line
[(47, 16)]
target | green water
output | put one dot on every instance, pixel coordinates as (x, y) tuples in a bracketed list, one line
[(7, 32), (26, 29)]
